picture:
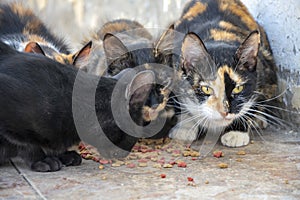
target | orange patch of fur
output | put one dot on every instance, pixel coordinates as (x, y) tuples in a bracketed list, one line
[(234, 76), (63, 58), (216, 101), (238, 9), (230, 27), (195, 10), (221, 35)]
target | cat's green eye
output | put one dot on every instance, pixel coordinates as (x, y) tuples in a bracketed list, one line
[(238, 89), (207, 90)]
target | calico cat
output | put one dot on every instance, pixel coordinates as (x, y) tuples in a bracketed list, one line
[(24, 31), (127, 44), (38, 121), (226, 58)]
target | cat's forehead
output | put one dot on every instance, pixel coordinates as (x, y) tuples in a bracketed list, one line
[(222, 72)]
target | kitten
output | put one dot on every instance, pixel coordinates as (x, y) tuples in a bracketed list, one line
[(24, 31), (42, 115), (127, 44), (226, 58)]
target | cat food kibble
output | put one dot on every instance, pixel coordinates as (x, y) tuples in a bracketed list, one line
[(223, 165), (218, 154)]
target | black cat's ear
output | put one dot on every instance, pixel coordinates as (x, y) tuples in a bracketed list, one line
[(138, 90), (166, 41), (113, 48), (195, 57), (34, 47), (247, 52), (81, 57)]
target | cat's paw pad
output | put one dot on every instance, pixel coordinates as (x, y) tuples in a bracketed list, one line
[(70, 158), (49, 164), (235, 139)]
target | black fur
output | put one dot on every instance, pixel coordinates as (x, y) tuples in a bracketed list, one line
[(131, 47), (36, 119)]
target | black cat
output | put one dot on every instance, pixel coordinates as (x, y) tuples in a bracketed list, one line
[(42, 115)]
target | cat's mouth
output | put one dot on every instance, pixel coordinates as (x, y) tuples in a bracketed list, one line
[(222, 121)]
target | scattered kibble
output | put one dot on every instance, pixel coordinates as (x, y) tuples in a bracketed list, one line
[(239, 160), (218, 154), (286, 181), (167, 165), (115, 164), (223, 165), (157, 165), (206, 182), (104, 161), (181, 164), (143, 164), (131, 165), (163, 175), (101, 167), (190, 179), (241, 153)]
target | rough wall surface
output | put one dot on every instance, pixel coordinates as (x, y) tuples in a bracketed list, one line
[(75, 19)]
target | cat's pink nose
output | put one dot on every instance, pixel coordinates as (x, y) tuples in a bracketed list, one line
[(224, 114)]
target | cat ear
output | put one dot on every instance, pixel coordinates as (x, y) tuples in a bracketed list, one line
[(166, 41), (247, 52), (34, 47), (113, 47), (196, 58), (82, 55), (138, 90)]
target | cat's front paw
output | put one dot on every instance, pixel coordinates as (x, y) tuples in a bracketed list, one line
[(70, 158), (49, 164), (235, 139)]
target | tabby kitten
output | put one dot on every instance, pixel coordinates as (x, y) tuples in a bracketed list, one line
[(38, 120), (24, 31), (226, 58)]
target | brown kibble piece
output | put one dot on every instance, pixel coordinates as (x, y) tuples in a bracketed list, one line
[(241, 153), (101, 167), (142, 164), (157, 165), (206, 182), (223, 165), (167, 165), (116, 164), (195, 154)]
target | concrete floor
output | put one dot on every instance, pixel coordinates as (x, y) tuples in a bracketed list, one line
[(270, 169)]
